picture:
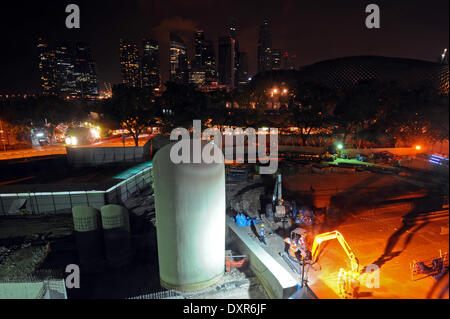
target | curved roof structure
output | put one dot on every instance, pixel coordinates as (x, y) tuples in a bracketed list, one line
[(345, 72)]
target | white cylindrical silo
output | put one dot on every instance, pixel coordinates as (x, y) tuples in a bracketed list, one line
[(88, 237), (116, 233), (190, 221)]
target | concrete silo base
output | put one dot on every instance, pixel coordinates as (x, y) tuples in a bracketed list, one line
[(192, 287), (190, 220)]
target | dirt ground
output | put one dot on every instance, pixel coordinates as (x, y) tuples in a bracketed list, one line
[(388, 221)]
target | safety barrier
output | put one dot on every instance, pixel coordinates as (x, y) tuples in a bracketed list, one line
[(41, 199), (277, 281), (33, 288), (97, 156)]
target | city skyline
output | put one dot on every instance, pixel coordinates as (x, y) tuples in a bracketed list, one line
[(62, 72), (304, 30)]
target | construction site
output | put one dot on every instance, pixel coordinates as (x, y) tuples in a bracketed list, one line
[(320, 227)]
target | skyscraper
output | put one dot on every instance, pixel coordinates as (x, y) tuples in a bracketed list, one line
[(209, 61), (197, 74), (236, 59), (288, 61), (65, 71), (150, 66), (203, 69), (243, 68), (85, 71), (199, 40), (264, 47), (227, 69), (47, 68), (178, 60), (276, 59), (129, 64)]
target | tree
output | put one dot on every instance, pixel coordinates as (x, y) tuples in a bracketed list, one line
[(357, 108), (130, 108), (311, 108), (50, 111), (182, 105), (419, 114)]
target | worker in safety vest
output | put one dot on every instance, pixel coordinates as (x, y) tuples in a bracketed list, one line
[(262, 235), (301, 243), (293, 248)]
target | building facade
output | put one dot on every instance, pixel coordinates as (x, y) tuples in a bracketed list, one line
[(66, 72), (227, 68), (150, 66), (243, 68), (209, 61), (47, 68), (276, 59), (85, 72), (197, 74), (129, 64), (179, 72), (264, 47)]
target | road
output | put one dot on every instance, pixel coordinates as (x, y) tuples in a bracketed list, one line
[(61, 148), (36, 151)]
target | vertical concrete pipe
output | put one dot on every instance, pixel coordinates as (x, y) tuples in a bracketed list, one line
[(190, 220), (117, 236), (88, 235)]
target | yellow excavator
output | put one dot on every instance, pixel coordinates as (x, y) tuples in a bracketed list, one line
[(354, 263), (348, 281)]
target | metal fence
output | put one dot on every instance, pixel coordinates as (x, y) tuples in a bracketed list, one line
[(169, 294)]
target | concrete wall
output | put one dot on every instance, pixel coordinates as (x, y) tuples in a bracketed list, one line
[(39, 289), (276, 280), (39, 200), (97, 156)]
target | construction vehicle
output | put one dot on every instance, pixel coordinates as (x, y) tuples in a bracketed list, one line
[(277, 199), (276, 208), (354, 263), (348, 281)]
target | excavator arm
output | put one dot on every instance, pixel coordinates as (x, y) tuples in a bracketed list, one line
[(334, 235)]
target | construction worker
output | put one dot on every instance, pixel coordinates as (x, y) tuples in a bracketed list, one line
[(293, 248), (301, 243), (261, 234)]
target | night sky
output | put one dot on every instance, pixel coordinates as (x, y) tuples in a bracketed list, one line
[(313, 30)]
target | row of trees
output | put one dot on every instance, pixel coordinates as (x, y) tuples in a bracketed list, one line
[(369, 112), (22, 115)]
